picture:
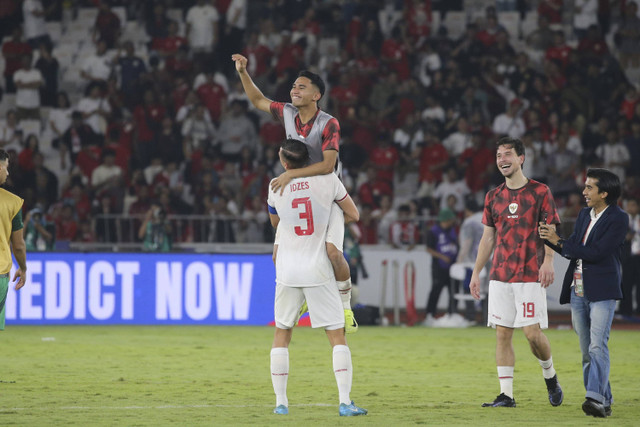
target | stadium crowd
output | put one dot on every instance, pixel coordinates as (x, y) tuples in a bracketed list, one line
[(146, 114)]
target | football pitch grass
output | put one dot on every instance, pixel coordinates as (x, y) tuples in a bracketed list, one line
[(219, 376)]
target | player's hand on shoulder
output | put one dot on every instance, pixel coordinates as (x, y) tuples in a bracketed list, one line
[(280, 182)]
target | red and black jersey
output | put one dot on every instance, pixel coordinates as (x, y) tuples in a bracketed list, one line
[(330, 133), (515, 214)]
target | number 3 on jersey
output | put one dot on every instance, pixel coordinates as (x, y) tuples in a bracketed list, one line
[(304, 205)]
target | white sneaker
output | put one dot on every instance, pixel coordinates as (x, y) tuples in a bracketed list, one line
[(429, 321)]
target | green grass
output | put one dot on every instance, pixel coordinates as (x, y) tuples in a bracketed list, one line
[(187, 376)]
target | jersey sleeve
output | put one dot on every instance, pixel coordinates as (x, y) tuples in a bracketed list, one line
[(340, 190), (331, 135), (277, 109), (16, 223), (271, 205), (487, 218)]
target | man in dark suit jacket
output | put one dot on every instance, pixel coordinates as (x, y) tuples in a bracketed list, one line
[(592, 283)]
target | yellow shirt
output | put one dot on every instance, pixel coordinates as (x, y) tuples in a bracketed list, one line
[(10, 205)]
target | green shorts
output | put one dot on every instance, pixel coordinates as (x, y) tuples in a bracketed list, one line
[(4, 288)]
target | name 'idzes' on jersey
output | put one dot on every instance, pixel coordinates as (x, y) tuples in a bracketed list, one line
[(304, 185)]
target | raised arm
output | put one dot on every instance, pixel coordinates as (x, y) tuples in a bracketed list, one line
[(256, 97), (327, 165)]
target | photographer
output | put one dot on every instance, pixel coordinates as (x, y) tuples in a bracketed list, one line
[(155, 231), (39, 234)]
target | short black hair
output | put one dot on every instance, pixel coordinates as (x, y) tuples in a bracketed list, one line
[(3, 155), (295, 153), (607, 181), (316, 80), (514, 143)]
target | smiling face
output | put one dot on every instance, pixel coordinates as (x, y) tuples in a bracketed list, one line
[(508, 161), (303, 92), (4, 170), (592, 195)]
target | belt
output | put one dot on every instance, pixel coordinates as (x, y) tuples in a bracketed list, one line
[(4, 276)]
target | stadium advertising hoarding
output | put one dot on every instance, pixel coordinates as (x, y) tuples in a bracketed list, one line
[(103, 288)]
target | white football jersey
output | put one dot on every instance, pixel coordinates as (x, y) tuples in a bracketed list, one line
[(304, 209)]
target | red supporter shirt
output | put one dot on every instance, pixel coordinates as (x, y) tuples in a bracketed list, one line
[(213, 97), (330, 133), (432, 155), (559, 53), (13, 52), (168, 45), (387, 158), (272, 133), (515, 214)]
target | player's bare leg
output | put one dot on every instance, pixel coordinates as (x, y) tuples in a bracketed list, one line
[(343, 278), (343, 371), (540, 347), (280, 368), (505, 361)]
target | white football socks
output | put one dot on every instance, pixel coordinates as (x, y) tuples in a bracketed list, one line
[(280, 374), (505, 375), (343, 371), (345, 293), (548, 371)]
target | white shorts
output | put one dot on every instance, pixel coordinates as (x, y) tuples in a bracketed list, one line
[(515, 305), (335, 230), (325, 306)]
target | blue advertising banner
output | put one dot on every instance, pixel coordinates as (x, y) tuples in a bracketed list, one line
[(145, 289)]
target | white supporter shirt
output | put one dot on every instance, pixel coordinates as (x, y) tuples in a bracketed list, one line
[(103, 173), (34, 26), (28, 98), (614, 153), (98, 67), (201, 20), (511, 126), (304, 209), (235, 7), (97, 122)]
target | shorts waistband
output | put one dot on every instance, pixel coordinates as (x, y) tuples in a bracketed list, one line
[(4, 276)]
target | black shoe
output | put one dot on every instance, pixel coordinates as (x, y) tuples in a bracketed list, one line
[(502, 400), (607, 410), (555, 391), (594, 408)]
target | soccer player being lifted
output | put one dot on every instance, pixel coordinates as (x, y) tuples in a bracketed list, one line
[(304, 121), (521, 271), (304, 273)]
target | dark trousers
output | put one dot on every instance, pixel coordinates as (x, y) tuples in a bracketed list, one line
[(440, 279), (630, 281)]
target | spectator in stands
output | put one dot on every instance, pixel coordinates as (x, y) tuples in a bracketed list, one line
[(77, 136), (39, 232), (384, 158), (107, 26), (234, 29), (563, 166), (49, 68), (510, 123), (384, 215), (67, 226), (13, 50), (585, 14), (559, 51), (442, 245), (552, 10), (236, 131), (10, 135), (169, 45), (108, 177), (35, 29), (95, 110), (132, 71), (202, 28), (97, 68), (457, 142), (155, 231), (452, 185), (627, 37), (148, 118), (632, 142), (212, 95), (28, 81), (404, 233), (156, 20), (614, 155), (105, 223)]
